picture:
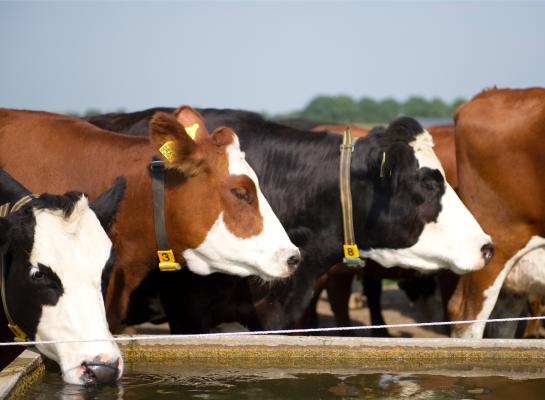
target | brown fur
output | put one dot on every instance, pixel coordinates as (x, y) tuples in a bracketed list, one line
[(357, 131), (500, 142), (56, 153), (165, 128), (444, 147)]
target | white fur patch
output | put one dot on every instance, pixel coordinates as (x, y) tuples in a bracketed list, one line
[(476, 330), (454, 241), (527, 277), (76, 249), (264, 254)]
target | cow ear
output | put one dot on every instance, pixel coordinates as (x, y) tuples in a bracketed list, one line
[(105, 206), (192, 122), (5, 234), (386, 162), (174, 145), (224, 136)]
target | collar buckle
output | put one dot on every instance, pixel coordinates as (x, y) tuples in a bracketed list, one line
[(20, 335)]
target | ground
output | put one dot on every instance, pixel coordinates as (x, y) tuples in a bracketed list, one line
[(397, 309)]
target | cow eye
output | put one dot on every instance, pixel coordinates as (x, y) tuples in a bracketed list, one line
[(36, 274), (431, 185), (242, 194)]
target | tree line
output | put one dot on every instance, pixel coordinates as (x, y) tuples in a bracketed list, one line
[(368, 110), (345, 109)]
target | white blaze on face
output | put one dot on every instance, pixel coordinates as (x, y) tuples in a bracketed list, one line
[(76, 249), (453, 241), (265, 254), (534, 247)]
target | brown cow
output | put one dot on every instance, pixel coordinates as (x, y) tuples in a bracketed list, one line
[(217, 219), (500, 143)]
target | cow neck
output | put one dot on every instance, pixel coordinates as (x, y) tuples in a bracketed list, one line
[(351, 252), (5, 210), (167, 261)]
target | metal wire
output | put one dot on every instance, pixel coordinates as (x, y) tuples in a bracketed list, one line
[(129, 338)]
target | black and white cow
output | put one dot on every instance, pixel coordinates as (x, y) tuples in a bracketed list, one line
[(57, 257), (405, 216)]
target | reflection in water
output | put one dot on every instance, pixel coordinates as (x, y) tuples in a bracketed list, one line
[(165, 381)]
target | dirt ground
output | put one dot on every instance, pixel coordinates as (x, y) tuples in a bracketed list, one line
[(396, 307)]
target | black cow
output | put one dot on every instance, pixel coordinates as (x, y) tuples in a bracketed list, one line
[(56, 258), (405, 214)]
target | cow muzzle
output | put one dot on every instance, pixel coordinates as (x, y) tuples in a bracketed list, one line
[(99, 372), (95, 372)]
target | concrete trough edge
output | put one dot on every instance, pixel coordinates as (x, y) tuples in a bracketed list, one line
[(14, 376), (488, 355), (328, 350)]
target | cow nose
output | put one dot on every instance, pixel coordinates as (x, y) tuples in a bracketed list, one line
[(293, 262), (97, 372), (487, 251)]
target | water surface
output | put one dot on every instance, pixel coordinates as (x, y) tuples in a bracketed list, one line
[(168, 380)]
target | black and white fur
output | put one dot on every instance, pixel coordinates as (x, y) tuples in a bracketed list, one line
[(58, 256)]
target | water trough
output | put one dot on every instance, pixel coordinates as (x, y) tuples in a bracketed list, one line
[(519, 360)]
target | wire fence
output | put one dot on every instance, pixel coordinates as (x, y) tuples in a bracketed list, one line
[(166, 337)]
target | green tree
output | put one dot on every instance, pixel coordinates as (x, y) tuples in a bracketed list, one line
[(390, 109), (369, 110), (331, 109), (416, 106), (438, 108)]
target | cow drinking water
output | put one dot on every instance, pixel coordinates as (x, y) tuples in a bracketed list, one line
[(56, 257)]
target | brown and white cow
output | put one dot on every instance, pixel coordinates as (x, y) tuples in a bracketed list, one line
[(217, 219), (500, 146)]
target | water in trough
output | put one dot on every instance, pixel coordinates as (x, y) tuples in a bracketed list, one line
[(170, 380)]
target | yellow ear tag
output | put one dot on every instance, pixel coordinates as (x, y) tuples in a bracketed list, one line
[(382, 164), (192, 130), (167, 150)]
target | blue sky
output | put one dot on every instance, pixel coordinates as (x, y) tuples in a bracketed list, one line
[(264, 56)]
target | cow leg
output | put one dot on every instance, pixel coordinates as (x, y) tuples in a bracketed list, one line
[(339, 289), (372, 289), (536, 308), (309, 320), (508, 304)]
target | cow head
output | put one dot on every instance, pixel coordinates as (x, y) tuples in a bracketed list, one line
[(57, 257), (413, 217), (226, 224)]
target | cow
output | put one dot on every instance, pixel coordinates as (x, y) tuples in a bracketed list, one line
[(419, 287), (217, 219), (499, 147), (400, 217), (56, 259)]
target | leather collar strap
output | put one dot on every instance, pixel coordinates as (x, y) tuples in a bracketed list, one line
[(167, 261), (5, 210), (351, 252)]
